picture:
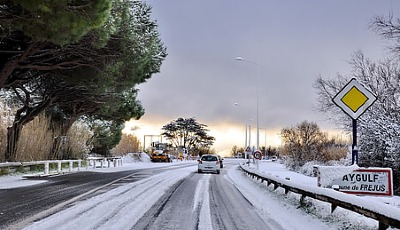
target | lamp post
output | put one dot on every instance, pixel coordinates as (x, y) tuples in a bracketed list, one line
[(258, 85)]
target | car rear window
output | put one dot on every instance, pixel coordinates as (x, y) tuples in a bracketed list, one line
[(209, 158)]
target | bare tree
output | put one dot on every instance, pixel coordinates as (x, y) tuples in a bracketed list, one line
[(303, 143), (379, 127)]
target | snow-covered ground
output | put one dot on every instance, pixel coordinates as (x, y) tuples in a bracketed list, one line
[(283, 208), (340, 218)]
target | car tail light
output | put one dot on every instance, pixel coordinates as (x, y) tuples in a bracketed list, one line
[(217, 162)]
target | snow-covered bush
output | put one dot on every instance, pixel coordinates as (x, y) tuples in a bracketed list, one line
[(77, 140), (305, 143)]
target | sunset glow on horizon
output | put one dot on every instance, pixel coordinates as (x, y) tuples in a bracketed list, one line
[(226, 135)]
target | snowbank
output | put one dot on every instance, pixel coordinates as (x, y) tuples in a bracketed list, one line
[(136, 158)]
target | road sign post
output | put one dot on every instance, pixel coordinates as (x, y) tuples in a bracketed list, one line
[(354, 149), (257, 155), (248, 152), (354, 99)]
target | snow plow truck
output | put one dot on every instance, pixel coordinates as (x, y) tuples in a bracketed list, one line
[(160, 153)]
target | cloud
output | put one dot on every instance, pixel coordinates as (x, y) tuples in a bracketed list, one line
[(293, 41)]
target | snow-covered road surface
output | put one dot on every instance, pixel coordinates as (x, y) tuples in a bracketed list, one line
[(145, 204), (119, 208)]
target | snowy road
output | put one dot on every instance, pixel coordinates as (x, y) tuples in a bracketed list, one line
[(18, 203), (179, 198), (202, 201), (232, 210)]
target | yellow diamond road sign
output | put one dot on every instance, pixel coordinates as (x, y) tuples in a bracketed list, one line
[(354, 99)]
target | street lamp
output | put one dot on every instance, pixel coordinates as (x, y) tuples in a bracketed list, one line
[(258, 85)]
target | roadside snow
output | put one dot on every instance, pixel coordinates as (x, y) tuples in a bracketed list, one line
[(272, 205), (15, 181), (341, 218)]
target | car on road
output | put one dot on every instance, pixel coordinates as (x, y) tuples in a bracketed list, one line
[(209, 163)]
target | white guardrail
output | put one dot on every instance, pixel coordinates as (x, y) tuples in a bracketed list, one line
[(72, 164), (104, 161), (388, 217)]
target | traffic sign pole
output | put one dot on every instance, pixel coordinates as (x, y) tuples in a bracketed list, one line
[(354, 153), (354, 99), (257, 156), (248, 151)]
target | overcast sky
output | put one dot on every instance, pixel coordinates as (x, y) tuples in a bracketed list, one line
[(293, 41)]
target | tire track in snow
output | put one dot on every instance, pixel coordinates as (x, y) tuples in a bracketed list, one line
[(201, 203), (148, 219)]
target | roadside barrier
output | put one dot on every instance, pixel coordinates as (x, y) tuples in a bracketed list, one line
[(104, 162), (386, 216), (13, 166), (94, 162)]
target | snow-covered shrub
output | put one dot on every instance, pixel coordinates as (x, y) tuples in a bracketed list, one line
[(77, 140)]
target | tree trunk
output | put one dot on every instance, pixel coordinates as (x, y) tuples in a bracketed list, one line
[(56, 149), (13, 134)]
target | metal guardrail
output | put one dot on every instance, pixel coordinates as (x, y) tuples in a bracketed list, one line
[(90, 162), (103, 161), (389, 218), (45, 163)]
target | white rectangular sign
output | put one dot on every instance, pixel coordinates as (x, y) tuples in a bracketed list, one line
[(368, 181)]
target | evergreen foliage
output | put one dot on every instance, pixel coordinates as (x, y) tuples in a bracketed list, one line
[(60, 22), (107, 135), (94, 72), (187, 133)]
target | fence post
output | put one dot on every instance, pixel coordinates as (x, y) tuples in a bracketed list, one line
[(71, 165), (58, 166), (79, 165), (46, 168)]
